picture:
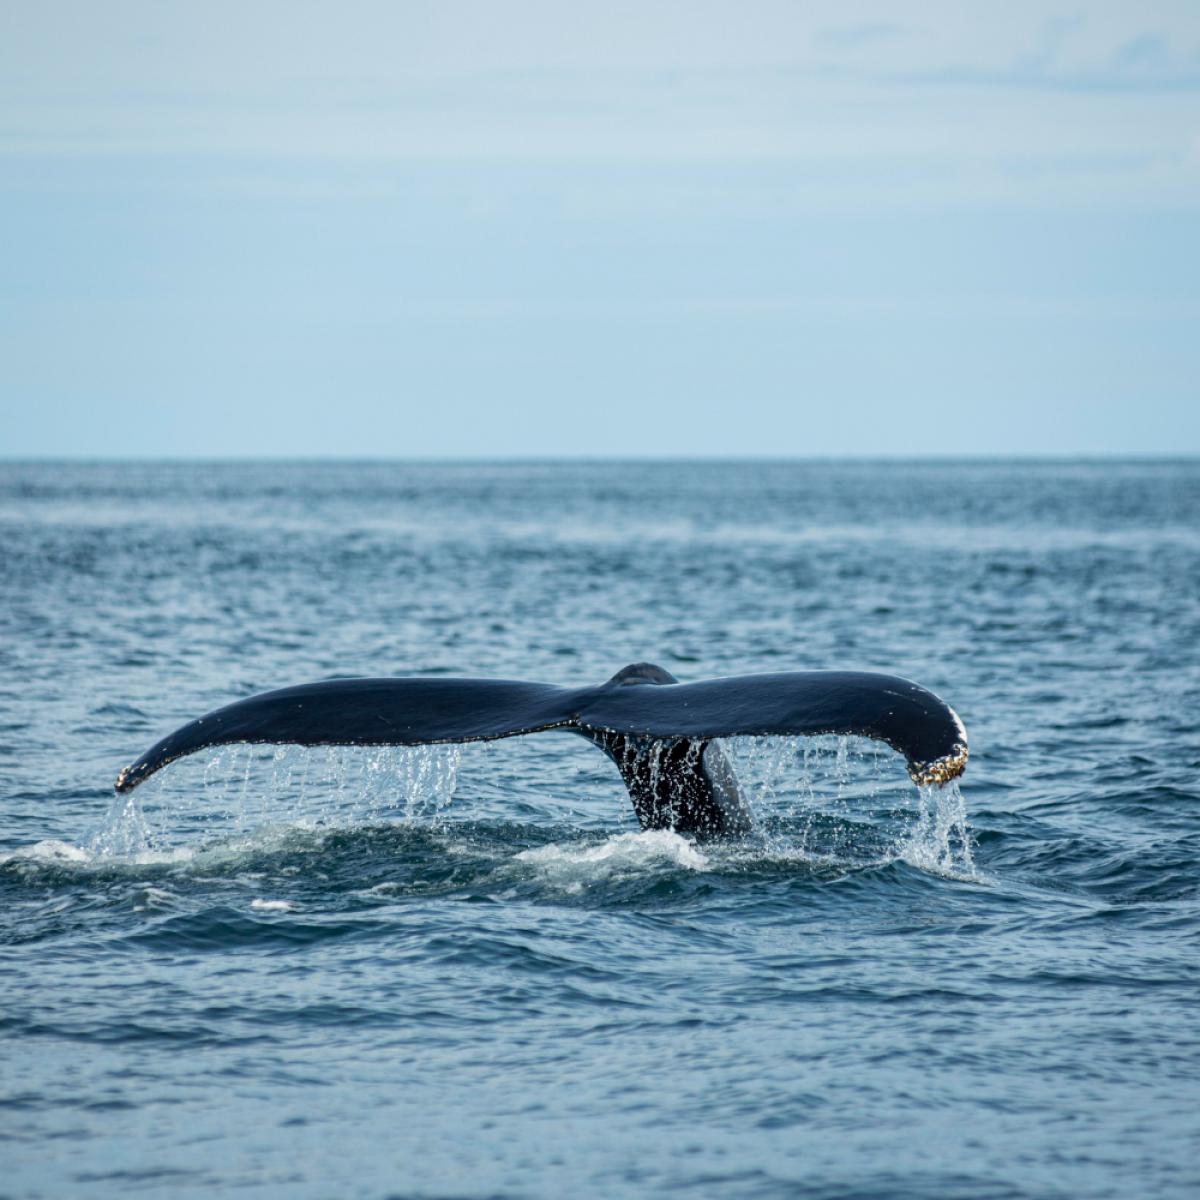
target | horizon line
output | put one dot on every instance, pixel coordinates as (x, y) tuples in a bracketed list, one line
[(1026, 457)]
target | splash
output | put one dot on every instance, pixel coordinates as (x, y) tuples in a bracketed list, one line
[(243, 794), (940, 840), (848, 801), (124, 832), (837, 802), (574, 868)]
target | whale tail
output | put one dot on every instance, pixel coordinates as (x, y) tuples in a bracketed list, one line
[(659, 732)]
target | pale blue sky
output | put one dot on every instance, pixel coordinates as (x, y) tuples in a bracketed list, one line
[(531, 229)]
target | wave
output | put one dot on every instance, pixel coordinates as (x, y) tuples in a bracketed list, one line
[(433, 853), (323, 841)]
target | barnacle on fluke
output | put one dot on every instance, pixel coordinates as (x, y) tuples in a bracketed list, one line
[(941, 770), (660, 733)]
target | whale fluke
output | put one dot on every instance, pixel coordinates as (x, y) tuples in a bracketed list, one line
[(659, 732)]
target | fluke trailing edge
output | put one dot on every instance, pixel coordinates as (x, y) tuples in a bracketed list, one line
[(658, 731)]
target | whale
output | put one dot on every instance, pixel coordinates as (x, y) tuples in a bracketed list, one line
[(662, 735)]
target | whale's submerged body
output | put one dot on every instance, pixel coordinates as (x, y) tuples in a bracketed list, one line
[(659, 732)]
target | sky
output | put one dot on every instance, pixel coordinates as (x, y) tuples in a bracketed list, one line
[(526, 229)]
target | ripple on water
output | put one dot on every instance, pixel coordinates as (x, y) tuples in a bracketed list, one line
[(385, 973)]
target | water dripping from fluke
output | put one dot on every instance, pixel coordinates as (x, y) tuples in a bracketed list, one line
[(658, 731), (246, 797), (775, 759)]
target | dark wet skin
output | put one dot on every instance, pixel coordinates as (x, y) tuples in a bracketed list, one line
[(658, 731)]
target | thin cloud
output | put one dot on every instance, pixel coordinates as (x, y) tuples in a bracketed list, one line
[(847, 38), (1143, 63)]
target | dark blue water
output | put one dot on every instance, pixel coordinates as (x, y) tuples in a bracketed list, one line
[(466, 974)]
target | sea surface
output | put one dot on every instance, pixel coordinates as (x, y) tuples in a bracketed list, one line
[(465, 973)]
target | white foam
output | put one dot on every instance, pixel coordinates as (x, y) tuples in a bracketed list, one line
[(575, 866), (229, 852), (387, 888), (49, 851), (155, 858), (153, 897), (271, 905)]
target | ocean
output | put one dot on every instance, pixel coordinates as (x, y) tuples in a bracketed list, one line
[(464, 972)]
